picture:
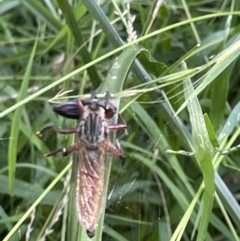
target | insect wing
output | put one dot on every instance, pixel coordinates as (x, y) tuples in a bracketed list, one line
[(90, 186)]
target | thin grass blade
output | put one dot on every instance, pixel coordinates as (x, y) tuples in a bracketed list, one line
[(203, 153), (13, 143), (72, 24)]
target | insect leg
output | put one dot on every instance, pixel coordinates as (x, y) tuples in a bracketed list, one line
[(64, 151), (107, 96), (56, 129), (115, 150), (53, 152), (122, 125), (118, 127), (114, 127), (81, 102), (70, 149), (80, 105)]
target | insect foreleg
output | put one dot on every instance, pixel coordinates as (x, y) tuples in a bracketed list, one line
[(116, 126), (81, 105), (56, 129), (64, 151)]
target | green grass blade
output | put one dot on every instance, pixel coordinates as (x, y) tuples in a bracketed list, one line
[(13, 143), (38, 8), (222, 62), (73, 26), (230, 202), (219, 92), (34, 205), (115, 77), (204, 154), (231, 122), (104, 23), (6, 6), (211, 132)]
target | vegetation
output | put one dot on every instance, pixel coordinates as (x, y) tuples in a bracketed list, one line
[(172, 67)]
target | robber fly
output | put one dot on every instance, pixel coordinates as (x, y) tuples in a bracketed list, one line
[(91, 147)]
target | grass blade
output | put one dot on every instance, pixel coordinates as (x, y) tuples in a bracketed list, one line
[(13, 143), (203, 153)]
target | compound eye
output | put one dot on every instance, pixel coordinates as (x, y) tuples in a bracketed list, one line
[(110, 111)]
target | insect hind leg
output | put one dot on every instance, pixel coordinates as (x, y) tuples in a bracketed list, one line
[(115, 150)]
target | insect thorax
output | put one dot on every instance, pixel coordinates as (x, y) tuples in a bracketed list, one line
[(93, 127)]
